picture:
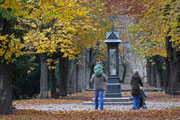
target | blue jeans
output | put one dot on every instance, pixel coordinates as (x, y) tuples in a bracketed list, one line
[(98, 94), (136, 102)]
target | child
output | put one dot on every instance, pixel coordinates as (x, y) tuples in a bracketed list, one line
[(142, 99)]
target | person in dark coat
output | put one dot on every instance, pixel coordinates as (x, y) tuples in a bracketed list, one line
[(136, 82)]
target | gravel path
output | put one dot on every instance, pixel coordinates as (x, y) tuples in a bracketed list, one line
[(78, 107)]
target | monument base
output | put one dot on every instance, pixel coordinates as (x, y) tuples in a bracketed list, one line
[(113, 95), (113, 90), (112, 101)]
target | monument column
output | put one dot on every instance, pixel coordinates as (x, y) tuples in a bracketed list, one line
[(113, 86)]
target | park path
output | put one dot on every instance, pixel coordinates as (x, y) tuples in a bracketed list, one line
[(78, 107)]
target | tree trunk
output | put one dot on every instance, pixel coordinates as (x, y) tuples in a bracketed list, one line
[(160, 72), (91, 66), (87, 69), (167, 75), (5, 89), (52, 82), (79, 78), (172, 64), (5, 75), (169, 50), (158, 79), (158, 76), (172, 68), (175, 71), (63, 76), (81, 72), (124, 72), (149, 67), (44, 78), (72, 77), (153, 74)]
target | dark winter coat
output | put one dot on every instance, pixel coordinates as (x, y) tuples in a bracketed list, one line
[(135, 84), (99, 82)]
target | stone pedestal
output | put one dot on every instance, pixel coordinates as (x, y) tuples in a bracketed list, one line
[(113, 90), (113, 101), (113, 87)]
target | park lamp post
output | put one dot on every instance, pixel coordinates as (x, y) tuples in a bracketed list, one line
[(113, 86)]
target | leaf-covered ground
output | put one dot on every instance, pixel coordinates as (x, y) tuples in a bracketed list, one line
[(164, 114), (171, 113), (88, 95), (74, 98)]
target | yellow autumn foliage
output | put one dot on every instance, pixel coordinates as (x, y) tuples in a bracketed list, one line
[(66, 26), (10, 48), (155, 23)]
